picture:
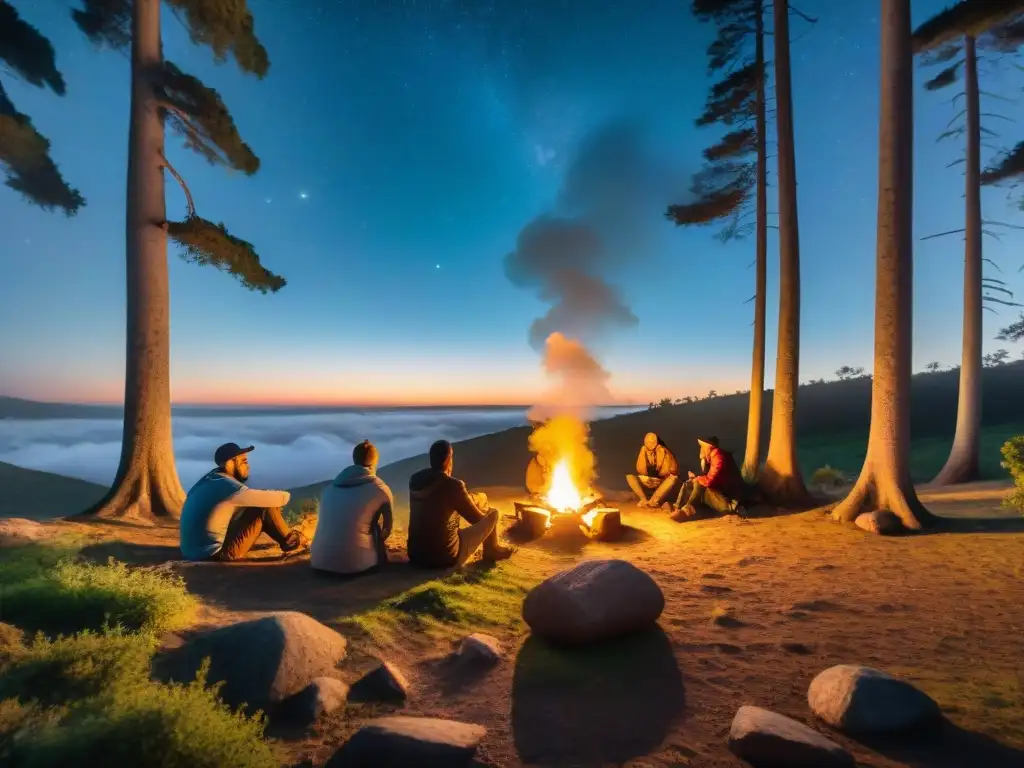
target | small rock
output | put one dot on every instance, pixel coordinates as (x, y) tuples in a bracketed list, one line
[(770, 740), (881, 522), (384, 683), (479, 648), (403, 742), (16, 531), (595, 600), (862, 700), (321, 697), (261, 661)]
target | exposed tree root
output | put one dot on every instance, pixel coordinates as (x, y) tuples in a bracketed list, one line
[(143, 493), (960, 467), (784, 490), (872, 492)]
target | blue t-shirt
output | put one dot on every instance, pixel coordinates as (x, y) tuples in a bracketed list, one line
[(204, 517)]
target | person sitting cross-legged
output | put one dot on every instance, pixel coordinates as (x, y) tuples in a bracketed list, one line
[(436, 502), (222, 518), (657, 473), (355, 518), (720, 488)]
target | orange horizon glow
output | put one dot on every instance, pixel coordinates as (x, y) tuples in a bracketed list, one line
[(395, 392)]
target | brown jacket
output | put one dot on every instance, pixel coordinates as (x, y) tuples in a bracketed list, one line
[(664, 463), (436, 502)]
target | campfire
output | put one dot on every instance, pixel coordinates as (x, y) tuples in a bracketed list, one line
[(567, 501)]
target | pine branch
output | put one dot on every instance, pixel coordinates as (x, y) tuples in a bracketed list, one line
[(967, 17), (200, 116), (107, 23), (183, 185), (228, 28), (797, 12), (1010, 166), (25, 158), (945, 78), (27, 52), (942, 234), (210, 244), (732, 145), (1013, 332)]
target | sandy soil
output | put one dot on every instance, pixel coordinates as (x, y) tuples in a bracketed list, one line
[(754, 609)]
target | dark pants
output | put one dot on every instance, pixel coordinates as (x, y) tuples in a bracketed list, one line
[(694, 494), (483, 532), (246, 526), (655, 490)]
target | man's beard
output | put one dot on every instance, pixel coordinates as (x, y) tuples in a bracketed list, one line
[(241, 475)]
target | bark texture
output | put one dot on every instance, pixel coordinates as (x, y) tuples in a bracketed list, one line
[(884, 481), (962, 464), (752, 458), (146, 485), (781, 479)]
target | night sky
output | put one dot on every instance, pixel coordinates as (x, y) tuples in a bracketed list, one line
[(405, 145)]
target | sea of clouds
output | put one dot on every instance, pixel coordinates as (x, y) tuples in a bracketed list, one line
[(291, 449)]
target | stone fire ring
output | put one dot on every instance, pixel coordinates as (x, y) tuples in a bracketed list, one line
[(534, 517)]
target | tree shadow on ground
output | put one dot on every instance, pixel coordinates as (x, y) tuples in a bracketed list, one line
[(263, 584), (978, 525), (947, 745), (599, 705)]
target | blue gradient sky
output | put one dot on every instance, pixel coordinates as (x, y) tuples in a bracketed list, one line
[(403, 150)]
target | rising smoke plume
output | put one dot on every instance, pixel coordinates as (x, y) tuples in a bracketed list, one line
[(603, 223)]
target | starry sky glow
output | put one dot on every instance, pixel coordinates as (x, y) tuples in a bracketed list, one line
[(405, 146)]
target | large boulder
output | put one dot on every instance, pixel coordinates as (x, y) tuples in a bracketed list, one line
[(261, 661), (864, 701), (595, 600), (770, 740), (403, 742)]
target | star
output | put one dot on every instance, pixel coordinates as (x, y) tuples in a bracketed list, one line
[(303, 196), (268, 200), (437, 266)]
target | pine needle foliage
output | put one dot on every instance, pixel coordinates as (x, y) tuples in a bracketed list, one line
[(209, 244), (723, 189), (24, 152), (199, 115)]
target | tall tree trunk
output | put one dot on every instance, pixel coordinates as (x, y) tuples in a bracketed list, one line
[(781, 479), (146, 484), (884, 481), (752, 458), (962, 464)]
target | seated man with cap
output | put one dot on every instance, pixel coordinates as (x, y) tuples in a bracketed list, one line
[(720, 488), (436, 502), (657, 473), (355, 518), (222, 517)]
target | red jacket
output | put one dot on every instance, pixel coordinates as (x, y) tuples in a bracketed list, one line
[(723, 475)]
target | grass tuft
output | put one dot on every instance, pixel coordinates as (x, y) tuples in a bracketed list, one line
[(74, 596), (481, 597), (828, 477)]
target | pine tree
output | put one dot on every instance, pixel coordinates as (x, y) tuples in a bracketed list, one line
[(146, 484), (952, 37), (884, 482), (731, 181), (781, 480), (24, 152)]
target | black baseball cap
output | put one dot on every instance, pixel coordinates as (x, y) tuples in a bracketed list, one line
[(228, 451)]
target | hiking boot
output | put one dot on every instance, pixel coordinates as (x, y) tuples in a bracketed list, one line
[(495, 554), (685, 512), (295, 543), (666, 507)]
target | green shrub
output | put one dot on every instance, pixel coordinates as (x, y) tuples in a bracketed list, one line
[(53, 672), (1013, 462), (74, 596), (828, 476), (173, 726)]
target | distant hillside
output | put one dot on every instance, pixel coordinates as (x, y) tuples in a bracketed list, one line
[(837, 410), (43, 495), (17, 408)]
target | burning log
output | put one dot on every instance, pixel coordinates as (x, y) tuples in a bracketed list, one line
[(594, 519)]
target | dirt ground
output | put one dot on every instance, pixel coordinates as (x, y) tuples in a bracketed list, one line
[(754, 609)]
